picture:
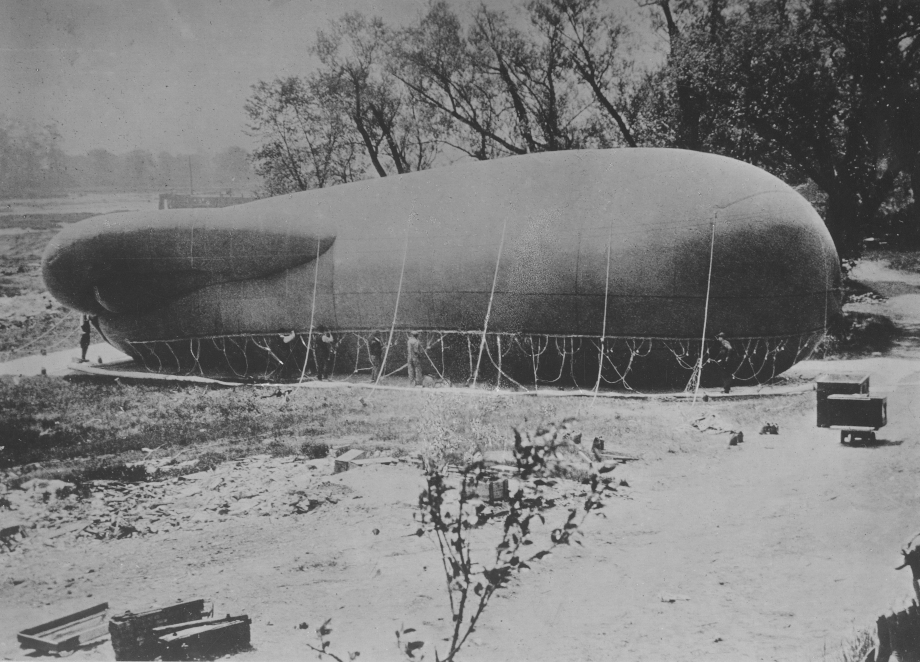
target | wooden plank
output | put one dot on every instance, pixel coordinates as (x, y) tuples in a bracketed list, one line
[(175, 627), (191, 632)]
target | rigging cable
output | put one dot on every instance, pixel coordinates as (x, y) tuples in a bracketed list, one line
[(699, 372)]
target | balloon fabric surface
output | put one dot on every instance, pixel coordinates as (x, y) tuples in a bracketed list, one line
[(588, 268)]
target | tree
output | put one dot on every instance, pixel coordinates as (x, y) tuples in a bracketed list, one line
[(356, 82), (103, 168), (435, 62), (304, 145), (31, 160), (818, 89), (506, 90), (140, 169), (590, 43), (231, 167), (345, 118)]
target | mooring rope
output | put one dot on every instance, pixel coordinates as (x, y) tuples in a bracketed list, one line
[(402, 272), (600, 361), (699, 372), (485, 327), (312, 312)]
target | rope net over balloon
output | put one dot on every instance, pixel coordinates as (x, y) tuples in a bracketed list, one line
[(509, 360)]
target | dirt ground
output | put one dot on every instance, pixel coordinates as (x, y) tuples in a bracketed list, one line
[(780, 548), (777, 549)]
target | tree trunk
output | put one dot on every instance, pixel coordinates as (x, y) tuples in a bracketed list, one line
[(386, 127), (365, 135), (843, 220), (913, 211)]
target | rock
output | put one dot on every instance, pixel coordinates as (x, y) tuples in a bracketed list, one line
[(8, 530), (306, 505), (673, 597)]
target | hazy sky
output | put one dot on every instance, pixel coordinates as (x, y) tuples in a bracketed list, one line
[(162, 74)]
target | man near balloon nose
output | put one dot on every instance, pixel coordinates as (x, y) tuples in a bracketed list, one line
[(415, 366)]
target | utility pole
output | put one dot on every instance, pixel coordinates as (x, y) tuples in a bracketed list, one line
[(191, 190)]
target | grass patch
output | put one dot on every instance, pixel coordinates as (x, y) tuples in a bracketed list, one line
[(81, 428), (210, 460), (906, 260), (278, 448), (858, 647), (41, 221)]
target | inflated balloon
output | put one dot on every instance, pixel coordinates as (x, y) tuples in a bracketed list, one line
[(604, 266)]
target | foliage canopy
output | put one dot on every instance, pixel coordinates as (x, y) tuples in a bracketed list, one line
[(820, 92)]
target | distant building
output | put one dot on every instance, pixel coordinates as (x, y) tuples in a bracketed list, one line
[(176, 201)]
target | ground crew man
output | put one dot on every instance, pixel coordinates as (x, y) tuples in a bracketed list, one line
[(375, 348), (413, 347), (84, 336), (724, 360), (323, 353)]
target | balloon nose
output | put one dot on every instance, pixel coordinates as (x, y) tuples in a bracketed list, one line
[(122, 263)]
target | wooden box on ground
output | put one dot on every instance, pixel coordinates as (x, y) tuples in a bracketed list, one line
[(204, 639), (857, 411), (133, 637), (68, 632), (493, 491), (838, 384), (342, 461)]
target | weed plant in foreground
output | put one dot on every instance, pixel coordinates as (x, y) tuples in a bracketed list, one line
[(453, 510)]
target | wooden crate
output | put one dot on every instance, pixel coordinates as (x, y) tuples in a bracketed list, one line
[(204, 639), (838, 384), (493, 491), (857, 411), (68, 632), (133, 637)]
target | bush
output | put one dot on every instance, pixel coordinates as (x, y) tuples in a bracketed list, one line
[(858, 334), (314, 451), (210, 460), (280, 449), (118, 471), (81, 489)]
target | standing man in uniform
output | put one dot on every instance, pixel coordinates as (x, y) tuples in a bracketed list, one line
[(84, 336), (724, 360), (328, 341), (412, 355), (323, 351), (375, 348)]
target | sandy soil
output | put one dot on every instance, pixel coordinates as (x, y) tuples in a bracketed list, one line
[(58, 363), (777, 549), (782, 547)]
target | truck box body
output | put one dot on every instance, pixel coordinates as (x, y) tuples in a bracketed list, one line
[(838, 384), (853, 411)]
